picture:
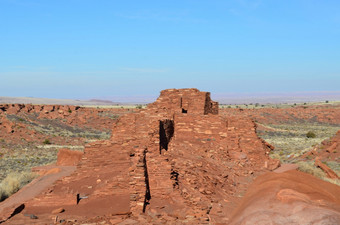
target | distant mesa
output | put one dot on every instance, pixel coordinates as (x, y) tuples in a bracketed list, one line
[(102, 101), (51, 101)]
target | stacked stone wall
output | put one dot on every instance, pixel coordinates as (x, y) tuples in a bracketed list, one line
[(189, 101), (177, 158)]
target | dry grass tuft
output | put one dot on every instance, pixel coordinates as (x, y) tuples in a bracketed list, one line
[(14, 182), (309, 167)]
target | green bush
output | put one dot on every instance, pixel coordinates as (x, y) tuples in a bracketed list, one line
[(47, 142), (310, 134)]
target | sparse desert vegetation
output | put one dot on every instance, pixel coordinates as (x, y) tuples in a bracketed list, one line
[(291, 140)]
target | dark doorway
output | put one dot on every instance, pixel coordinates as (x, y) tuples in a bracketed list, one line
[(166, 131)]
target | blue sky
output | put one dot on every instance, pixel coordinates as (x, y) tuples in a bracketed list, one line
[(87, 49)]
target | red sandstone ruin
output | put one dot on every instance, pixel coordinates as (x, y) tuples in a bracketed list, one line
[(176, 160)]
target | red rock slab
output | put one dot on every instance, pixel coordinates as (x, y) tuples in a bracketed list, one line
[(67, 157), (330, 173), (291, 197), (329, 150)]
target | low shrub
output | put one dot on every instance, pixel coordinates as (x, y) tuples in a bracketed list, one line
[(310, 134), (47, 142)]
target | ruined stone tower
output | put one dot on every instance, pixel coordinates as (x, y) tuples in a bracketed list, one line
[(177, 158), (191, 101)]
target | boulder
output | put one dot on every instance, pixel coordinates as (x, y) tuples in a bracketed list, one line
[(67, 157)]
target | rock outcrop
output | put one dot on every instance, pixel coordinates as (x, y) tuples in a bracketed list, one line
[(330, 149), (67, 157), (291, 197)]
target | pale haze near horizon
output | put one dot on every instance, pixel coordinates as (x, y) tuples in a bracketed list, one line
[(130, 49)]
